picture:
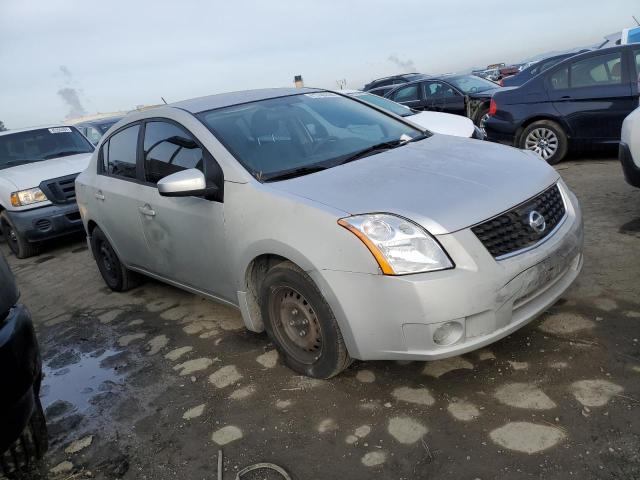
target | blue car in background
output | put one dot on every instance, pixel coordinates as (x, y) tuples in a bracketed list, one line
[(580, 102)]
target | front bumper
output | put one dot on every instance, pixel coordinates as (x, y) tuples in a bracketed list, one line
[(630, 169), (394, 318), (20, 375), (48, 222)]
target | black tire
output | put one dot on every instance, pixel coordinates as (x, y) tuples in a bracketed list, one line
[(117, 277), (527, 137), (285, 285), (20, 247), (27, 451)]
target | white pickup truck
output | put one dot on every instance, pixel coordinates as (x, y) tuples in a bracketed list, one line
[(38, 168)]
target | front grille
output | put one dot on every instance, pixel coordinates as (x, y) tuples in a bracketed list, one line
[(511, 231), (61, 190)]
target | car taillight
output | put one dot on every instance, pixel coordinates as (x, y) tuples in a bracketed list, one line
[(493, 107)]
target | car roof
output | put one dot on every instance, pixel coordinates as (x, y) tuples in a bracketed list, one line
[(28, 129), (221, 100)]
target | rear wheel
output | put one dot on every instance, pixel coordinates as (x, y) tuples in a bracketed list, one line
[(17, 243), (547, 139), (301, 324), (481, 117), (117, 277)]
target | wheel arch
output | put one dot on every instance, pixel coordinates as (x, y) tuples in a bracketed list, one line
[(537, 118)]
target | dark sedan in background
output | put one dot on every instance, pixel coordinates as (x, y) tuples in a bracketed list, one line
[(466, 95), (580, 102), (23, 430)]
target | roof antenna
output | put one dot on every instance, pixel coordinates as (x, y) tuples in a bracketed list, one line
[(165, 102)]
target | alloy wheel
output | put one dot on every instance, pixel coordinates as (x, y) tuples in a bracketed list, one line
[(296, 325), (543, 141)]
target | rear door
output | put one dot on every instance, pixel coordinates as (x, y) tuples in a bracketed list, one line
[(442, 97), (593, 94), (185, 235), (115, 199)]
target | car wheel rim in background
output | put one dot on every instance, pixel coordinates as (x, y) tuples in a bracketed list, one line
[(543, 141)]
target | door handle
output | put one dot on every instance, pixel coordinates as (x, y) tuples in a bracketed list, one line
[(147, 210), (99, 195)]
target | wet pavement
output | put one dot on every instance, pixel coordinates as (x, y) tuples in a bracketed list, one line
[(150, 384)]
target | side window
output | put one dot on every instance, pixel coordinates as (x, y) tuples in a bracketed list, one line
[(559, 79), (636, 55), (438, 90), (93, 135), (407, 94), (122, 149), (169, 149), (599, 70)]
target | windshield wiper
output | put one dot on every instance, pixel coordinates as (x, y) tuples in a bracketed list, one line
[(380, 147), (294, 172), (63, 154)]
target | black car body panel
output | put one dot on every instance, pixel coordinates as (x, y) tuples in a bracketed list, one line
[(572, 94), (21, 371)]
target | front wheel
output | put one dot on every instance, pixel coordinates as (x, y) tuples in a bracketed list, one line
[(117, 277), (17, 243), (547, 139), (301, 324)]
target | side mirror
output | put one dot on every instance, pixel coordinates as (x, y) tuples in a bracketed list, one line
[(186, 183)]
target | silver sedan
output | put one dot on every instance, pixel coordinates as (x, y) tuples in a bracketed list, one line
[(341, 229)]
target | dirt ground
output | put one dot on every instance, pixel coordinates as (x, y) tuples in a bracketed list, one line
[(150, 383)]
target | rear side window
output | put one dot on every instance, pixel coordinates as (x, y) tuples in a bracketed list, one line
[(559, 79), (599, 70), (169, 149), (636, 56), (407, 94), (119, 154)]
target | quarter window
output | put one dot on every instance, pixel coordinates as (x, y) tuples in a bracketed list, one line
[(407, 94), (119, 154), (560, 79), (169, 149), (599, 70)]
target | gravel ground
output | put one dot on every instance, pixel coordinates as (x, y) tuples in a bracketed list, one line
[(152, 383)]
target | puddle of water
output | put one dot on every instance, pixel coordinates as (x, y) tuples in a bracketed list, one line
[(79, 382)]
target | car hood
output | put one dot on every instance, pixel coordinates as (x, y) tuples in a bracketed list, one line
[(30, 175), (444, 123), (444, 183)]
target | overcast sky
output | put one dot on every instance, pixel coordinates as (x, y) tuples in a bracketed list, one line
[(64, 56)]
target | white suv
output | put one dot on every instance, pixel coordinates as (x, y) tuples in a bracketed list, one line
[(38, 168)]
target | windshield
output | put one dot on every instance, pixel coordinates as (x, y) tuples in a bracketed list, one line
[(304, 131), (472, 84), (42, 144), (381, 102)]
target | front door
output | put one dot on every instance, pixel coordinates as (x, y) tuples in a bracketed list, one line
[(185, 235), (594, 95), (442, 97), (115, 199)]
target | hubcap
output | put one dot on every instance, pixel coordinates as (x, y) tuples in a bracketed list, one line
[(296, 325), (543, 141)]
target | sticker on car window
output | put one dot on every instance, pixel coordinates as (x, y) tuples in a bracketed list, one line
[(321, 95), (60, 130)]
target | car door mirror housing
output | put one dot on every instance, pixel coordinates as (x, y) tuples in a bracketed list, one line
[(186, 183)]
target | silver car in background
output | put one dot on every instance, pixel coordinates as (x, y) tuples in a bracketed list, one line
[(340, 229)]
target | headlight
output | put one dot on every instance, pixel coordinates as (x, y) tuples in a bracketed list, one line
[(27, 197), (398, 245)]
